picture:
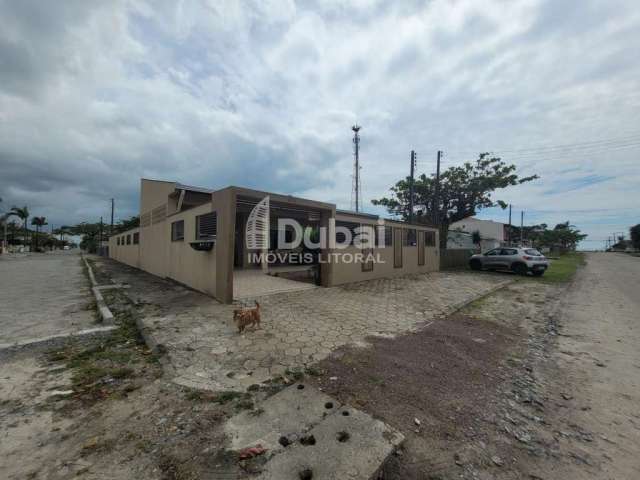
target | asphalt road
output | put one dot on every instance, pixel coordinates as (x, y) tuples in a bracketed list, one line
[(42, 295), (600, 350)]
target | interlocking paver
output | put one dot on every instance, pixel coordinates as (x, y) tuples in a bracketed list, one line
[(303, 327)]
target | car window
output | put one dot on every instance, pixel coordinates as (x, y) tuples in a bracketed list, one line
[(509, 251), (493, 252), (533, 252)]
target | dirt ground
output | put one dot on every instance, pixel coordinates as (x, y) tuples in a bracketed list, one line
[(513, 386), (100, 408), (536, 381)]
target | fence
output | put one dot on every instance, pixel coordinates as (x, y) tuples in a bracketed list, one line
[(454, 258)]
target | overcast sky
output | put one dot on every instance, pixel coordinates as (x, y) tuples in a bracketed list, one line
[(95, 95)]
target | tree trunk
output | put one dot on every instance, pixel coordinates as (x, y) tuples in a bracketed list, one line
[(443, 230)]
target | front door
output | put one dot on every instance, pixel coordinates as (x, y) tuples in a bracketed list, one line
[(397, 247)]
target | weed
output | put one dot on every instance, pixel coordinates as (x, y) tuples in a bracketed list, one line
[(312, 371), (228, 396), (295, 373), (564, 268)]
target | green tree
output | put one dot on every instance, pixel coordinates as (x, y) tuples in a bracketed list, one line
[(476, 238), (22, 214), (127, 224), (567, 235), (634, 233), (464, 190), (90, 233), (39, 222)]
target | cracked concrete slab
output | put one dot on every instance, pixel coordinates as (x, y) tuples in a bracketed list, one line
[(289, 413), (347, 444)]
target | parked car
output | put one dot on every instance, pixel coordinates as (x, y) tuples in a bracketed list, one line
[(518, 260)]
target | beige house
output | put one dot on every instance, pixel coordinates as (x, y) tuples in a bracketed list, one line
[(196, 236)]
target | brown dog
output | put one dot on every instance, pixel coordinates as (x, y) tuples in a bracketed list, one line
[(247, 316)]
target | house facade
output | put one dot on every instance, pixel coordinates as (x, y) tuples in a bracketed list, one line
[(198, 237)]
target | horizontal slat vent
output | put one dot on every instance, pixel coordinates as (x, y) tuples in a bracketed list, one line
[(206, 226), (158, 214), (145, 219)]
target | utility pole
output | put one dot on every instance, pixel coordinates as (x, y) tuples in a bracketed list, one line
[(356, 166), (413, 165), (111, 229), (521, 228), (509, 231), (436, 196), (100, 237)]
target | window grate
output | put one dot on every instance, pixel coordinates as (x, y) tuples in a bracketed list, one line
[(341, 236), (207, 226), (410, 237)]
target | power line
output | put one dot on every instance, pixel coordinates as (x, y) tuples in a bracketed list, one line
[(560, 155), (601, 142)]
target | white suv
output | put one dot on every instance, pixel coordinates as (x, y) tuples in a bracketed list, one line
[(517, 259)]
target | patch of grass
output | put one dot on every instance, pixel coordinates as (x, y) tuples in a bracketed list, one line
[(564, 268), (294, 373), (244, 400), (244, 404), (102, 367), (312, 371), (230, 395)]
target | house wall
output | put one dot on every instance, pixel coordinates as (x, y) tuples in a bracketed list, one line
[(211, 271), (194, 268), (352, 272), (129, 254)]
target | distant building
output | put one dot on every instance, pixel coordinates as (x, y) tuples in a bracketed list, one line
[(458, 240), (492, 234)]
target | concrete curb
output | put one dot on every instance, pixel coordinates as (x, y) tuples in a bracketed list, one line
[(103, 310), (53, 338), (460, 305)]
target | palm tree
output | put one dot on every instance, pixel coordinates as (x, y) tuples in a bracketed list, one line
[(39, 222), (22, 214)]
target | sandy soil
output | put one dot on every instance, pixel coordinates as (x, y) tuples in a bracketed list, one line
[(535, 381)]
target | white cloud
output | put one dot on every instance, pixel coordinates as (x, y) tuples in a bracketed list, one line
[(94, 95)]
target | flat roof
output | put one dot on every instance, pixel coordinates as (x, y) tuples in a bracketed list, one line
[(191, 188)]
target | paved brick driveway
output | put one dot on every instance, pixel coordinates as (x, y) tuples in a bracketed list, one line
[(298, 328)]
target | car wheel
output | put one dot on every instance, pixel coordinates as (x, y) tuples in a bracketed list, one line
[(475, 264), (538, 273), (520, 268)]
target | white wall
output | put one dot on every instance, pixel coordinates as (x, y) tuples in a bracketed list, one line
[(488, 229)]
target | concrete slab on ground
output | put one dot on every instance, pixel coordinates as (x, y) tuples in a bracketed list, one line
[(250, 284), (347, 444), (289, 413)]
